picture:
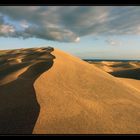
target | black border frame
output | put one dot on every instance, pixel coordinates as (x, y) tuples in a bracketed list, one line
[(69, 3)]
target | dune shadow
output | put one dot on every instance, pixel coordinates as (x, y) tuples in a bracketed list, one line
[(122, 65), (10, 69), (133, 74), (19, 108)]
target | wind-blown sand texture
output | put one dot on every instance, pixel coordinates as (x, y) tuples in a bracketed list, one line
[(58, 93), (84, 99)]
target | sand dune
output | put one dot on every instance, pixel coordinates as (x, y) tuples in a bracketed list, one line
[(51, 92), (127, 72), (111, 66), (19, 108), (76, 97)]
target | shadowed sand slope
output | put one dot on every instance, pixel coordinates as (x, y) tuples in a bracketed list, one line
[(133, 73), (19, 108), (76, 97)]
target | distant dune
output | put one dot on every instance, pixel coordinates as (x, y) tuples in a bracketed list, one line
[(132, 73), (112, 66), (128, 72), (51, 92)]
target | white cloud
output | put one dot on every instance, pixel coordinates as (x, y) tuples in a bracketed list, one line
[(24, 24), (113, 42), (4, 29), (77, 39)]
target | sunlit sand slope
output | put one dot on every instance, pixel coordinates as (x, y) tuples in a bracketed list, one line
[(77, 97)]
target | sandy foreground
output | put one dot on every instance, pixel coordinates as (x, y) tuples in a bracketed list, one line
[(47, 91)]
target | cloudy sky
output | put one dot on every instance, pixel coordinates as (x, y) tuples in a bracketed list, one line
[(107, 32)]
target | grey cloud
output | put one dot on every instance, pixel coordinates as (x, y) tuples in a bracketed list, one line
[(67, 23), (55, 34), (51, 34), (1, 19)]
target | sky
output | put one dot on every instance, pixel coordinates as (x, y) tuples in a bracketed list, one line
[(103, 32)]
